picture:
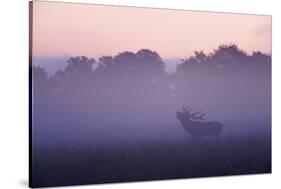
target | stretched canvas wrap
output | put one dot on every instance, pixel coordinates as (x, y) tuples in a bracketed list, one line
[(121, 94)]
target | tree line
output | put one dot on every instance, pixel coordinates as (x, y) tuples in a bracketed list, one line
[(136, 85)]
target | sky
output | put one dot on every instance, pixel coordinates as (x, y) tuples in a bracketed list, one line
[(66, 29)]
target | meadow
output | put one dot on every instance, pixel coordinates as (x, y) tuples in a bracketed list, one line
[(64, 164)]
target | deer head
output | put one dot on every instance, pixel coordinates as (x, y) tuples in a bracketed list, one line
[(194, 123), (187, 116)]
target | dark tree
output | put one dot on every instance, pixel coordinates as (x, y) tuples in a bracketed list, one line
[(80, 66), (150, 62), (39, 75)]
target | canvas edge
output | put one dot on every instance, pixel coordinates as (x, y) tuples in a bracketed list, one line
[(30, 98), (30, 162)]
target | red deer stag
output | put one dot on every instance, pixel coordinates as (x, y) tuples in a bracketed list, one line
[(195, 125)]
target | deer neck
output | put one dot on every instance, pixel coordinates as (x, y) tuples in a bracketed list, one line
[(188, 124)]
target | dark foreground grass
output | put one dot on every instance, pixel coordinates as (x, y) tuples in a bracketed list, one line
[(57, 165)]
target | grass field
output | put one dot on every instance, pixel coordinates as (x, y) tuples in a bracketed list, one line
[(149, 160)]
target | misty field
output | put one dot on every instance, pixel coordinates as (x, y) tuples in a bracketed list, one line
[(124, 118), (62, 164)]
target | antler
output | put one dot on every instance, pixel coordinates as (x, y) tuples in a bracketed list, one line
[(184, 109), (195, 116), (199, 117)]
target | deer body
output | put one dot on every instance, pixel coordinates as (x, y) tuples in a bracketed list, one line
[(201, 129), (198, 129)]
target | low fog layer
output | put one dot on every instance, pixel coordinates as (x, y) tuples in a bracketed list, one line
[(131, 97)]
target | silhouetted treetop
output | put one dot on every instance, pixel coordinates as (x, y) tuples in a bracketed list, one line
[(229, 49), (150, 61), (260, 57), (39, 73), (200, 57), (77, 67), (222, 60), (80, 65), (105, 61), (40, 79), (146, 54), (125, 58), (128, 64)]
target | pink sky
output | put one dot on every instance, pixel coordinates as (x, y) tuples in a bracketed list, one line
[(93, 30)]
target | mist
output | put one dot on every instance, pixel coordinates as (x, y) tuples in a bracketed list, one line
[(129, 100)]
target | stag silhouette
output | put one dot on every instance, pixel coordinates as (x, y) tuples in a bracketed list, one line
[(195, 125)]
